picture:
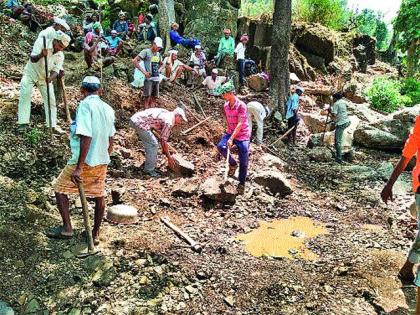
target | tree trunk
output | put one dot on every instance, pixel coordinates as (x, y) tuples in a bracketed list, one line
[(166, 18), (279, 63), (411, 60)]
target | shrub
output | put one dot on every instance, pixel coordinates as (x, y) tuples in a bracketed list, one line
[(384, 95), (411, 89), (330, 13)]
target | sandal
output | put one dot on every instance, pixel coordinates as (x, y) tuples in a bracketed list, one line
[(95, 240), (57, 233)]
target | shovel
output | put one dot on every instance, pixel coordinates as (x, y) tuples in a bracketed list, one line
[(91, 247)]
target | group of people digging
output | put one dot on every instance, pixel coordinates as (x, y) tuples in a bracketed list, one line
[(92, 131)]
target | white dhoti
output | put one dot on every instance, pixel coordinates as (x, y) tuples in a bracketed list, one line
[(24, 110)]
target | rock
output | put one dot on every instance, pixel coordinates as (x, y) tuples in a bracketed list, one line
[(102, 270), (184, 188), (32, 307), (211, 189), (316, 139), (164, 202), (257, 83), (272, 161), (183, 167), (369, 47), (298, 234), (359, 53), (229, 300), (315, 39), (320, 154), (315, 122), (190, 289), (122, 214), (364, 112), (274, 181), (315, 61), (6, 309), (388, 133), (299, 65), (117, 195), (68, 254), (294, 78)]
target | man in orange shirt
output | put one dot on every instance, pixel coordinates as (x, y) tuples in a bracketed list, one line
[(411, 148)]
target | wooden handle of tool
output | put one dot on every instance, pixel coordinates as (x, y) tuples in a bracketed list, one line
[(86, 220), (66, 105), (227, 164), (48, 85), (178, 231)]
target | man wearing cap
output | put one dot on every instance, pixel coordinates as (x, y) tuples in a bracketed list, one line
[(161, 121), (226, 46), (34, 74), (121, 25), (198, 61), (114, 43), (238, 132), (339, 115), (91, 138), (178, 39), (240, 57), (291, 110), (152, 61), (213, 81), (58, 25), (173, 68), (257, 112)]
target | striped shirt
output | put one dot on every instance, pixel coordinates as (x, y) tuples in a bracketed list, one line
[(238, 113), (158, 119)]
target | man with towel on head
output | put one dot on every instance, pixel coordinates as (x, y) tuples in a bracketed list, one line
[(34, 74), (91, 139)]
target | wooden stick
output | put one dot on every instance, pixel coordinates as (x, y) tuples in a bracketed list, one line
[(66, 105), (227, 165), (48, 86), (191, 113), (287, 132), (198, 104), (195, 126), (193, 244), (86, 220)]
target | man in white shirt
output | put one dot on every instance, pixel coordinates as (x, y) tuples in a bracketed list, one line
[(198, 60), (240, 57), (172, 67), (34, 74), (214, 81), (257, 112), (58, 25)]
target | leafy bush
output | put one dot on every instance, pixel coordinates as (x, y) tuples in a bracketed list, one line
[(384, 95), (256, 7), (33, 136), (330, 13), (411, 89)]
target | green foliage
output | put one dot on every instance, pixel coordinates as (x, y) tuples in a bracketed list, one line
[(330, 13), (33, 136), (371, 23), (407, 23), (384, 95), (255, 8), (411, 89)]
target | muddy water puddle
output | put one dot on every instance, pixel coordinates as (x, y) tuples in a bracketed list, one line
[(283, 238)]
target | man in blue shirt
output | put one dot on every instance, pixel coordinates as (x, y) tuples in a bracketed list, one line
[(121, 26), (91, 139), (178, 39), (114, 43), (291, 110)]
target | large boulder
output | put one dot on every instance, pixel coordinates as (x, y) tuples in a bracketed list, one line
[(364, 112), (388, 133), (274, 181), (367, 44), (328, 139), (214, 188), (299, 65), (315, 122), (315, 39)]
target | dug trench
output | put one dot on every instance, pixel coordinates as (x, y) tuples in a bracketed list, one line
[(145, 269)]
